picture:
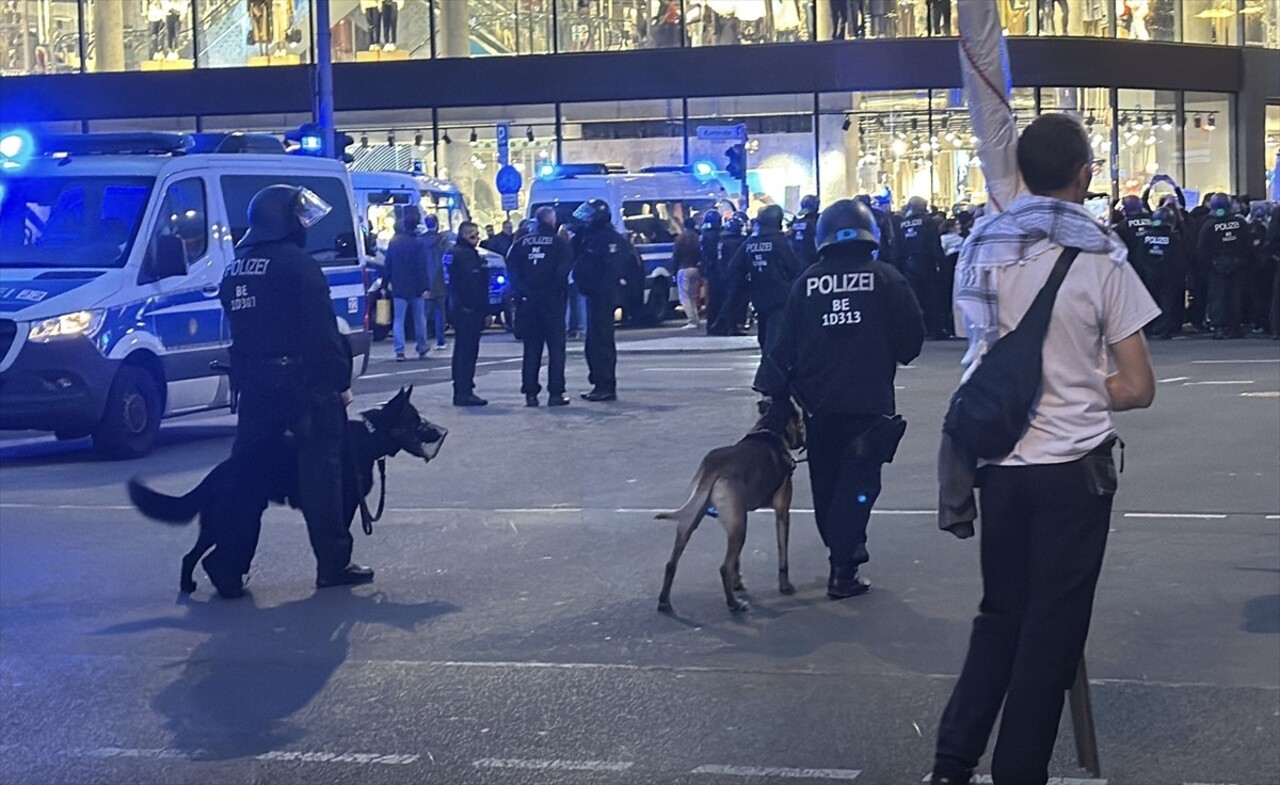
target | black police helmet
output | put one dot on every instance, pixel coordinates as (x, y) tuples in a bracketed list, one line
[(1165, 216), (770, 218), (737, 224), (1133, 205), (847, 221), (593, 212), (1220, 203), (283, 212), (809, 204), (712, 220)]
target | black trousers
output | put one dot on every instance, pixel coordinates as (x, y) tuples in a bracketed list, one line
[(390, 21), (265, 466), (1226, 299), (715, 300), (939, 17), (1044, 530), (542, 324), (1170, 289), (839, 19), (1198, 280), (467, 328), (844, 487), (601, 350)]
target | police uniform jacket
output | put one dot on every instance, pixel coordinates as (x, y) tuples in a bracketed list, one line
[(1224, 242), (1131, 229), (846, 328), (603, 258), (539, 265), (468, 278), (804, 242), (766, 262), (1163, 251), (730, 244), (282, 321), (709, 251), (919, 244)]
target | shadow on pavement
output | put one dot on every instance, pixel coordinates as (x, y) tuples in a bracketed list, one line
[(51, 451), (1262, 615), (236, 693)]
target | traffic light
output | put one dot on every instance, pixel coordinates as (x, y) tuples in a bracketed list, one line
[(737, 161), (309, 139)]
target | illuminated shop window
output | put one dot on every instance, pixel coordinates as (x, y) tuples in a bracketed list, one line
[(132, 35), (372, 31), (483, 28), (39, 37), (236, 33)]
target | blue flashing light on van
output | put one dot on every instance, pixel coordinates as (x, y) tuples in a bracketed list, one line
[(16, 148)]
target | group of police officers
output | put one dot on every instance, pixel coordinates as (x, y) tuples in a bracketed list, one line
[(841, 300)]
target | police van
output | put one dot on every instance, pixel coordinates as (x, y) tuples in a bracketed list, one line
[(381, 198), (112, 248), (649, 206)]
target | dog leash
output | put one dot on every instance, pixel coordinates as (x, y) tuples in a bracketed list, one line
[(367, 519)]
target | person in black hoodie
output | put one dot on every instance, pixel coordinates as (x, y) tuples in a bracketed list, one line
[(469, 299), (1164, 268), (733, 301), (766, 266), (604, 262), (292, 370)]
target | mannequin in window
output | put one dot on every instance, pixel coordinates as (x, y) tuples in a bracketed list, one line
[(260, 13), (939, 17), (1161, 19), (839, 19), (1139, 9), (373, 16), (1047, 13), (174, 12), (155, 21), (1094, 18), (390, 22), (878, 10)]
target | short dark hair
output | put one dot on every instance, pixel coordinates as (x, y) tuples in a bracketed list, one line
[(1051, 152), (465, 225)]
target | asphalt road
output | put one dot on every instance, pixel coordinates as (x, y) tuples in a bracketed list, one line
[(512, 634)]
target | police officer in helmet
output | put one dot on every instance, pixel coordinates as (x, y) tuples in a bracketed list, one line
[(803, 243), (766, 266), (1132, 226), (733, 305), (850, 320), (1165, 265), (709, 255), (604, 262), (292, 369), (1224, 245), (539, 263), (920, 254)]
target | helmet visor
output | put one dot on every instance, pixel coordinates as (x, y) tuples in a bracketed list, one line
[(584, 212), (310, 209)]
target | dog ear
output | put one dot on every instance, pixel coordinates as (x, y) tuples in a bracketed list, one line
[(408, 392)]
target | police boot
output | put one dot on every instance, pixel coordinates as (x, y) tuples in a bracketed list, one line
[(351, 575), (844, 583), (597, 395), (558, 400), (531, 401)]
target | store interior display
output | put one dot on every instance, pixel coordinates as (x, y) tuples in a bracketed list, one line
[(273, 29), (383, 17)]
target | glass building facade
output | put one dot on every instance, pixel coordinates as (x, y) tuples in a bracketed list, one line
[(80, 36)]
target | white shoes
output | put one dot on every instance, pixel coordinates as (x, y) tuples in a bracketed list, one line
[(689, 326)]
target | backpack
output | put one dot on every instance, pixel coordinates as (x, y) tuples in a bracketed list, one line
[(989, 412)]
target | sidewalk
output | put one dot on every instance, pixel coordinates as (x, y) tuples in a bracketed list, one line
[(498, 344)]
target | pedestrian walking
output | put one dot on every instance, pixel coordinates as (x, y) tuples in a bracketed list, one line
[(1046, 506)]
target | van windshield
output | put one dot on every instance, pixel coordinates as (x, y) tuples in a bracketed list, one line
[(448, 208), (660, 220), (86, 222)]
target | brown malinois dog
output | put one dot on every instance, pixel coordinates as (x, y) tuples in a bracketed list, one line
[(731, 482)]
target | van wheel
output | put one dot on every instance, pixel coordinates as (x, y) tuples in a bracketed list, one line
[(658, 305), (132, 417)]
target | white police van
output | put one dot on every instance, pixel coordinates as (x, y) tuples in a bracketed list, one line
[(649, 206), (381, 198), (112, 248)]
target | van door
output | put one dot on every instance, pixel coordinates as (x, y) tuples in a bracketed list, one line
[(182, 310)]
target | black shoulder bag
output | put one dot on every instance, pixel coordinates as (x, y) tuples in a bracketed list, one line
[(989, 412)]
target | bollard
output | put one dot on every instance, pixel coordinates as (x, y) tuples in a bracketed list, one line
[(1082, 722)]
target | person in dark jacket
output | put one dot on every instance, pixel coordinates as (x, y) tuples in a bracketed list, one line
[(407, 267), (802, 231), (604, 262), (292, 370), (1163, 265), (1131, 226), (886, 225), (1224, 244), (766, 266), (539, 264), (709, 260), (469, 276), (921, 261), (850, 320), (500, 243), (437, 294), (686, 254), (1198, 281)]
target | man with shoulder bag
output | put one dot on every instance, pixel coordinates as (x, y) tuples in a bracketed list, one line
[(1050, 302)]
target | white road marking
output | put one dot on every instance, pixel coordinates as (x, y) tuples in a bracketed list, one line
[(679, 370), (985, 779), (26, 506), (153, 754), (1267, 394), (363, 758), (1231, 362), (1200, 516), (1170, 379), (1232, 381), (426, 369), (779, 772), (551, 765)]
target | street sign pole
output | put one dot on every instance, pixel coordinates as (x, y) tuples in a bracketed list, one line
[(746, 168), (322, 106)]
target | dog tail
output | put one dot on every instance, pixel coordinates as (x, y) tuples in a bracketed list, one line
[(696, 504), (176, 510)]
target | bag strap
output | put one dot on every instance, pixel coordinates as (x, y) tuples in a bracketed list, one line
[(1036, 319)]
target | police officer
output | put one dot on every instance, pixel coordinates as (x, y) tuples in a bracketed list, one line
[(920, 253), (1224, 245), (733, 308), (767, 266), (292, 370), (603, 263), (709, 257), (1133, 224), (1164, 266), (539, 264), (885, 225), (803, 244), (849, 321), (469, 291)]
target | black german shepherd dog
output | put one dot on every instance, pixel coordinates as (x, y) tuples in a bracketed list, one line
[(381, 432)]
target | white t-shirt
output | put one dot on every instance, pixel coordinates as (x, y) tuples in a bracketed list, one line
[(1100, 304)]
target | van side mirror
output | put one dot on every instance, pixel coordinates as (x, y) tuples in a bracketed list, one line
[(166, 258)]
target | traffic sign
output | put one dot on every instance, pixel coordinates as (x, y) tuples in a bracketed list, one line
[(723, 133), (509, 180), (504, 144), (510, 202)]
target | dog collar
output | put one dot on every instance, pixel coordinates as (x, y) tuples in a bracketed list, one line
[(368, 426)]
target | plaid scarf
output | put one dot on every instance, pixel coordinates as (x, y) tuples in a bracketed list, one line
[(1027, 229)]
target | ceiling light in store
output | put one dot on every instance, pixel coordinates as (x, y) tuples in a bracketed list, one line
[(847, 124), (419, 142), (475, 138), (753, 145), (391, 138), (1090, 120), (544, 153), (1199, 121), (1155, 120), (915, 124), (946, 120), (364, 141), (446, 138), (1213, 122), (1137, 122), (528, 133), (1168, 123), (973, 139), (899, 147)]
